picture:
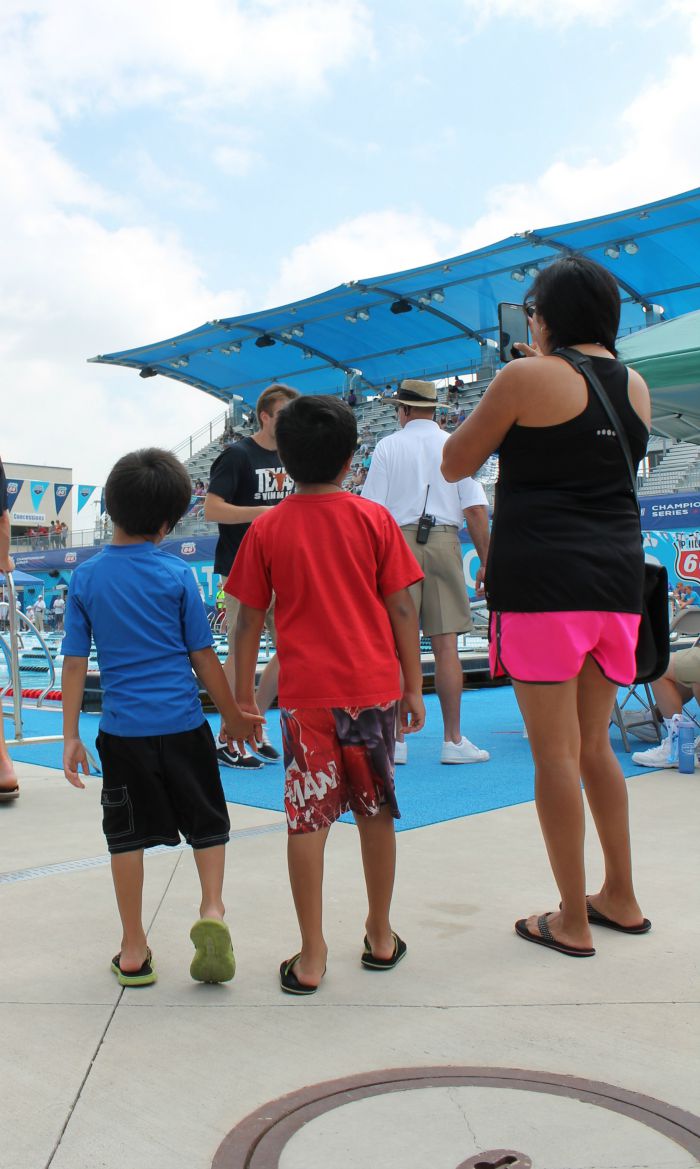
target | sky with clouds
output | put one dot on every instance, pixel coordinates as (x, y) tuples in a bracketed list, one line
[(165, 163)]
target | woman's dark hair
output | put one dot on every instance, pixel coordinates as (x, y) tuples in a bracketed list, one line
[(579, 302), (315, 436), (146, 489)]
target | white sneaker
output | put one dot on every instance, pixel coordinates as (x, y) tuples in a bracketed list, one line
[(463, 752), (657, 757), (401, 752)]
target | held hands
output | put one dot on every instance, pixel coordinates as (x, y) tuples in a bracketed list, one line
[(412, 711), (8, 565), (74, 756), (245, 727), (479, 583)]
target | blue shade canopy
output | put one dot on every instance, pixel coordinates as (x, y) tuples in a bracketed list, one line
[(436, 320)]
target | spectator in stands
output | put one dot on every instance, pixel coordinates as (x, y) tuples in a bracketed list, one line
[(352, 398), (565, 579), (54, 534), (64, 534), (678, 685), (405, 476), (58, 608), (246, 480), (9, 787), (683, 596)]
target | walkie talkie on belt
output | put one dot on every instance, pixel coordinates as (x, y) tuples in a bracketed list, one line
[(425, 522)]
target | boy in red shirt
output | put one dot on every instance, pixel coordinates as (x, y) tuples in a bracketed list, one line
[(346, 629)]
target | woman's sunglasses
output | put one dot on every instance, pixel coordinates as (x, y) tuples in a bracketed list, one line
[(530, 310)]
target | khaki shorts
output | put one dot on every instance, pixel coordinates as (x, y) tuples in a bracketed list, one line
[(441, 598), (232, 605), (686, 666)]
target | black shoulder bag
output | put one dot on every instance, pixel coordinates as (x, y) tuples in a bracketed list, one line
[(653, 645)]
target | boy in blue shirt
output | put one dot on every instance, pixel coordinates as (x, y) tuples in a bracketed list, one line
[(160, 771)]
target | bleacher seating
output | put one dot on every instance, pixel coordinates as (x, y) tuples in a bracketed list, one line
[(679, 470)]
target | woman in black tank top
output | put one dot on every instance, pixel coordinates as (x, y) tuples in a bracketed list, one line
[(566, 560)]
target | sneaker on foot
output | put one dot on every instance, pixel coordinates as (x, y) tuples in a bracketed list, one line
[(401, 752), (657, 757), (463, 752), (235, 759), (265, 749)]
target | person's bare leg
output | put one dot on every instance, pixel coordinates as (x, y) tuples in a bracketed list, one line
[(8, 778), (606, 792), (668, 694), (378, 844), (551, 717), (266, 691), (448, 683), (210, 867), (305, 860), (127, 874)]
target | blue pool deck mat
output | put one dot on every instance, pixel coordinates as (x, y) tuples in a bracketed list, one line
[(427, 791)]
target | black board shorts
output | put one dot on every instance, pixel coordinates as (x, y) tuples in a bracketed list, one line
[(156, 787)]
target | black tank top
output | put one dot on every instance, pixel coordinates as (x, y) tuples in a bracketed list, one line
[(566, 532)]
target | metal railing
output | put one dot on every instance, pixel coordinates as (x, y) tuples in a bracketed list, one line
[(202, 437)]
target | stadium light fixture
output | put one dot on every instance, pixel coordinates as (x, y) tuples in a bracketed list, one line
[(351, 318), (518, 275), (438, 296), (400, 306), (298, 331), (147, 371), (631, 247), (612, 252), (307, 355), (362, 314), (533, 271)]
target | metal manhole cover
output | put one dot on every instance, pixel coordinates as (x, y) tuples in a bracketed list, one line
[(341, 1122)]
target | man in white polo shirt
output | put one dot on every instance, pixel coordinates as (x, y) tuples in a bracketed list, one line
[(405, 476)]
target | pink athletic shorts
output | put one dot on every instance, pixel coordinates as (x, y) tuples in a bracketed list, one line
[(552, 647)]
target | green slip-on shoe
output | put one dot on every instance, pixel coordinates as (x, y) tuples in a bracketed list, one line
[(213, 960), (145, 976)]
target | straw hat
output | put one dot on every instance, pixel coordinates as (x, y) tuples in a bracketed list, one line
[(415, 393)]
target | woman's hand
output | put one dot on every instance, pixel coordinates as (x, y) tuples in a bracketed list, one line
[(527, 350)]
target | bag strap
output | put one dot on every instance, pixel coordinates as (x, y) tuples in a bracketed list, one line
[(583, 364)]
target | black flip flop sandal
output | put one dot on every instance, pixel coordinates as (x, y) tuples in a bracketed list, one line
[(369, 961), (546, 938), (288, 980), (145, 976), (595, 917)]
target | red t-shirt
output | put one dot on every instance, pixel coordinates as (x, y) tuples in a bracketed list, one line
[(329, 559)]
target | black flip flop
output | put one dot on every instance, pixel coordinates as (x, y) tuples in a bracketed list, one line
[(8, 793), (369, 961), (595, 917), (144, 976), (546, 938), (288, 980)]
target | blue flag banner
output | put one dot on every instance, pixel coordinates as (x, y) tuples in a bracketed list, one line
[(84, 493), (61, 492), (14, 486), (38, 490)]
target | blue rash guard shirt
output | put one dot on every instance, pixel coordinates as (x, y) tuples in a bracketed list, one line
[(143, 609)]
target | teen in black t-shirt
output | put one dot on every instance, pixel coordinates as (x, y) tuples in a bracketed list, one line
[(246, 479)]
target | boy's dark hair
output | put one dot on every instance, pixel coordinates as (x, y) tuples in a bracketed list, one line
[(316, 436), (579, 301), (277, 392), (146, 489)]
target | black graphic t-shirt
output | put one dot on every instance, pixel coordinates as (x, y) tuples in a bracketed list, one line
[(249, 476)]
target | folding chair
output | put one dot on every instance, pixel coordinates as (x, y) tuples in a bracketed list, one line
[(644, 714)]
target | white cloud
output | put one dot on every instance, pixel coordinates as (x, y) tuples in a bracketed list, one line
[(84, 54), (235, 160), (381, 241)]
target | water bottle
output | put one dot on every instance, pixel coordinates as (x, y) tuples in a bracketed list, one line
[(686, 746)]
